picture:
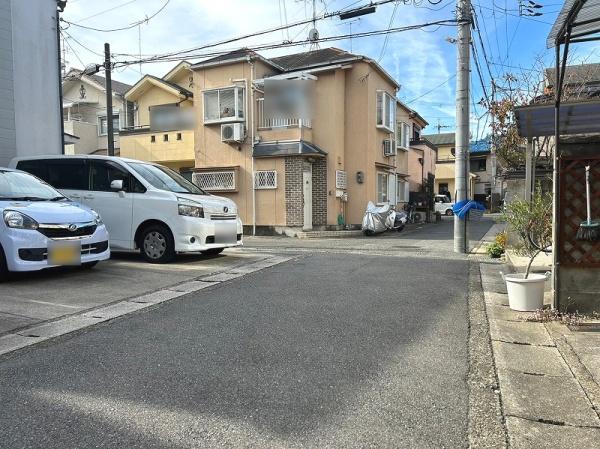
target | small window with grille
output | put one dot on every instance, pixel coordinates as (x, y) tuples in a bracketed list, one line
[(340, 179), (265, 179), (215, 181)]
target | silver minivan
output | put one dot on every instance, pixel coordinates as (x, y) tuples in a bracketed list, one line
[(145, 206)]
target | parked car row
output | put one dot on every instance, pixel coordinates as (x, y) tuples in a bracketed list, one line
[(71, 210)]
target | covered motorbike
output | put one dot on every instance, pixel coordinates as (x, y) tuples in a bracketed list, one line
[(381, 219)]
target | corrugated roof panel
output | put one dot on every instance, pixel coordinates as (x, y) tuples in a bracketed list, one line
[(584, 24)]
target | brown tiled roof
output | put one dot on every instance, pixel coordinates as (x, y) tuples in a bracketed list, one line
[(576, 74), (117, 86)]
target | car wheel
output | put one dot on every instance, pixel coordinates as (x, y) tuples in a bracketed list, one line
[(212, 251), (368, 232), (449, 213), (89, 265), (3, 267), (157, 244)]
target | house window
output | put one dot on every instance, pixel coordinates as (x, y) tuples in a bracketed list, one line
[(265, 179), (403, 191), (341, 180), (478, 165), (178, 136), (215, 180), (224, 105), (382, 187), (165, 137), (152, 139), (416, 132), (386, 111), (402, 135), (103, 125)]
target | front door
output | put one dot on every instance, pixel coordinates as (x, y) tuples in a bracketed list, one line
[(307, 195)]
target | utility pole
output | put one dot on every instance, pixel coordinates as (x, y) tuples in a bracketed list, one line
[(463, 12), (110, 137)]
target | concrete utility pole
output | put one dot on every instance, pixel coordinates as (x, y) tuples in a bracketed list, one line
[(461, 168), (110, 137)]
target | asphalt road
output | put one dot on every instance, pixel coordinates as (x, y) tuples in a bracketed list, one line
[(341, 350)]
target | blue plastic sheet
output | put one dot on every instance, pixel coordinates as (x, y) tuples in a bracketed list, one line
[(462, 208)]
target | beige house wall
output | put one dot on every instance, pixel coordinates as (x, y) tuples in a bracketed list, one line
[(156, 96)]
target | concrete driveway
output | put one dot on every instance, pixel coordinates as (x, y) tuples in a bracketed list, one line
[(30, 298)]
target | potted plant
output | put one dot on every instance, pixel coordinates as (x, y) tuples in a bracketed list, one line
[(532, 223)]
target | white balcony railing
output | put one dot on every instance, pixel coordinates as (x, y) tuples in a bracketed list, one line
[(266, 123)]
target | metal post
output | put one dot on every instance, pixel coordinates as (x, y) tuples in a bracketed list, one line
[(528, 169), (60, 80), (462, 118), (109, 108)]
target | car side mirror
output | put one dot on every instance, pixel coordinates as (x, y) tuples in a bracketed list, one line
[(116, 185)]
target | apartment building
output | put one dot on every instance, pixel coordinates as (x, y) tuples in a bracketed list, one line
[(29, 79), (85, 115), (312, 171)]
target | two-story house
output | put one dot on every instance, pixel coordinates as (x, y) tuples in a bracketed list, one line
[(159, 134), (481, 179), (316, 169), (85, 115)]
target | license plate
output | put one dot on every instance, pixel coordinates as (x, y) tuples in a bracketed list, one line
[(64, 254), (226, 232)]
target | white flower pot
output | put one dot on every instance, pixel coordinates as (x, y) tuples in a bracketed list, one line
[(525, 295)]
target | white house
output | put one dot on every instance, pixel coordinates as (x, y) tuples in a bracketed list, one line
[(29, 79), (84, 112)]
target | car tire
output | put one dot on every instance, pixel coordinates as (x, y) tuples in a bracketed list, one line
[(157, 244), (449, 213), (368, 232), (212, 251), (3, 266), (89, 265)]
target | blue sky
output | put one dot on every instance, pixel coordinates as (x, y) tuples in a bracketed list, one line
[(420, 60)]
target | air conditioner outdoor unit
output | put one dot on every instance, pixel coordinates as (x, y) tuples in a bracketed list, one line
[(389, 147), (232, 132)]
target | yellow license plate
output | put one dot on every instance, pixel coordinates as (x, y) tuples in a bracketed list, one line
[(64, 255)]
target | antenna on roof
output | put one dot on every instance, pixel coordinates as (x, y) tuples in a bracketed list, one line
[(313, 34)]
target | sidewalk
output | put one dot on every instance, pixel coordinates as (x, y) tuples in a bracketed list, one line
[(548, 374)]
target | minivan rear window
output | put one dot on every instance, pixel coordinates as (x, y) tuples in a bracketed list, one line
[(165, 179)]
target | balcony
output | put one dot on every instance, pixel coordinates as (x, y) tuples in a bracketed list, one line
[(158, 146), (272, 123)]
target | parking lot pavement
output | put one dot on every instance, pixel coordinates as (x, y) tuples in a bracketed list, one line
[(31, 298)]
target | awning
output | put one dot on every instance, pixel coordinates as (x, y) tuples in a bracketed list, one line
[(293, 148), (575, 118), (582, 16)]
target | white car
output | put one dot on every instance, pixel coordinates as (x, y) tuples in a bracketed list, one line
[(443, 205), (145, 206), (40, 228)]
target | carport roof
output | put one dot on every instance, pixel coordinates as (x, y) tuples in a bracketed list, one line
[(293, 148), (575, 118), (582, 16)]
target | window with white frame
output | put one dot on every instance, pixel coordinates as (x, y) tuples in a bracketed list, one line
[(386, 111), (103, 125), (215, 180), (382, 187), (403, 190), (265, 179), (340, 179), (402, 135), (224, 105)]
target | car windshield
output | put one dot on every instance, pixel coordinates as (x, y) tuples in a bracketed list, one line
[(25, 187), (166, 179)]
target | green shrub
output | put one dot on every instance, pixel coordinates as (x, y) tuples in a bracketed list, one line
[(495, 250)]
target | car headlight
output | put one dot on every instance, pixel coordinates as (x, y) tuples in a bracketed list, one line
[(191, 211), (17, 220), (97, 218)]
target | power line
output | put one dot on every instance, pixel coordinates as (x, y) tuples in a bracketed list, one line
[(128, 27), (385, 41), (431, 90), (106, 10), (262, 32)]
